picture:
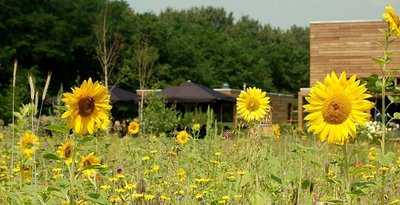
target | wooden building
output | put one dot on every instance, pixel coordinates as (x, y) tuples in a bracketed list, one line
[(282, 107), (345, 46)]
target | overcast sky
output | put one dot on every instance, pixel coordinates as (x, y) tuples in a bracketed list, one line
[(282, 13)]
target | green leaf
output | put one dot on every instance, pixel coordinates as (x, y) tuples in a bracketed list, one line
[(94, 195), (96, 198), (387, 158), (379, 61), (275, 178), (396, 115), (335, 201), (378, 84), (85, 139), (51, 156), (60, 128), (394, 99), (359, 188), (363, 184), (306, 184), (51, 189)]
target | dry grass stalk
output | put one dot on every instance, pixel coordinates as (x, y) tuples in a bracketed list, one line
[(15, 72), (46, 86), (35, 106), (13, 116), (32, 87), (45, 89)]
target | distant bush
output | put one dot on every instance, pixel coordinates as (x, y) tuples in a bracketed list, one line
[(157, 117), (196, 117)]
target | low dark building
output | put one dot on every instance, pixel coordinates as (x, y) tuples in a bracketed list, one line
[(190, 96), (125, 103)]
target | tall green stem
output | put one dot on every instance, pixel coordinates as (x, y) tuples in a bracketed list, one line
[(383, 91), (346, 174)]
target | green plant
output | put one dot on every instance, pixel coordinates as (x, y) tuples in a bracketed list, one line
[(385, 84), (157, 117), (189, 118)]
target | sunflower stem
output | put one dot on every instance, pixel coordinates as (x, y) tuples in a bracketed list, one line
[(383, 115), (383, 89), (346, 174), (71, 170)]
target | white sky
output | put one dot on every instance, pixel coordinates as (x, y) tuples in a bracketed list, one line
[(282, 13)]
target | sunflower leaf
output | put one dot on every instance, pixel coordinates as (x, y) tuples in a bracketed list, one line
[(50, 156), (96, 198), (275, 178), (394, 99), (58, 128)]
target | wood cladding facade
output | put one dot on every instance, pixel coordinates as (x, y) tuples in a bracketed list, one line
[(349, 46), (282, 107)]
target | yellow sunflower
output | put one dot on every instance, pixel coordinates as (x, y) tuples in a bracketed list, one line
[(336, 106), (253, 104), (182, 137), (133, 127), (66, 150), (392, 19), (88, 161), (88, 107), (28, 144)]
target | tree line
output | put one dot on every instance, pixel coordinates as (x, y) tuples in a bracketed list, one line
[(207, 45)]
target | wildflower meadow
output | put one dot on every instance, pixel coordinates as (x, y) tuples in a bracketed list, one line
[(81, 155)]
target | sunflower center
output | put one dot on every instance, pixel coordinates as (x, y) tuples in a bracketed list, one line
[(337, 110), (68, 152), (87, 163), (86, 106), (252, 104)]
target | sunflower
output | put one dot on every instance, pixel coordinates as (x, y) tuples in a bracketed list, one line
[(133, 127), (66, 150), (252, 104), (392, 19), (182, 137), (28, 144), (336, 106), (86, 163), (88, 107)]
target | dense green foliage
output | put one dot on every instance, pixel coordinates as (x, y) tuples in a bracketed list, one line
[(159, 118), (205, 45)]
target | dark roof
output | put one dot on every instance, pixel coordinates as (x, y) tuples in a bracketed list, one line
[(189, 92), (121, 95)]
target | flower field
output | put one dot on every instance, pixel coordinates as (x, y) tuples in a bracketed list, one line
[(348, 152), (295, 168)]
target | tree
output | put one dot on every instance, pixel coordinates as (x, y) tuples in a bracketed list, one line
[(203, 44), (108, 45), (145, 57)]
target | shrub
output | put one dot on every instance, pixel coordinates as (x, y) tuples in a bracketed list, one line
[(157, 117), (190, 118)]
